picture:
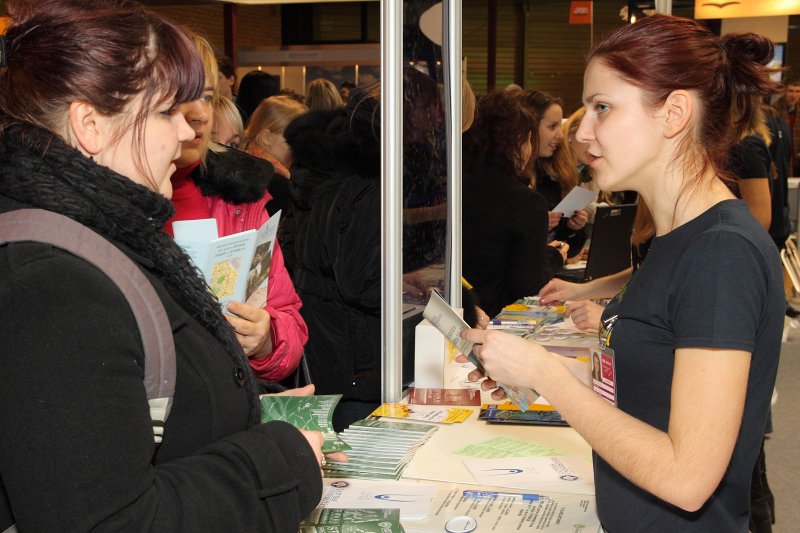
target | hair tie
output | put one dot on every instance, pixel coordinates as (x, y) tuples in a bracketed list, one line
[(3, 61)]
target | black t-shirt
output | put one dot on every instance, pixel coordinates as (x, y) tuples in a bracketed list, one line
[(714, 282)]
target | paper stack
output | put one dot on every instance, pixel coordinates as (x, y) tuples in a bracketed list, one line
[(380, 449)]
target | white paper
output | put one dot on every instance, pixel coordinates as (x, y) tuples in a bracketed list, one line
[(195, 230), (413, 499), (551, 513), (438, 460), (568, 474), (577, 199)]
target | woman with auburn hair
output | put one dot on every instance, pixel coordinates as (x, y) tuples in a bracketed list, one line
[(322, 95), (547, 114), (89, 132), (506, 255), (690, 346)]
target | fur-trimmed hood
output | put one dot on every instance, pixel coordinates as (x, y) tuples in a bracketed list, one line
[(337, 142), (235, 176)]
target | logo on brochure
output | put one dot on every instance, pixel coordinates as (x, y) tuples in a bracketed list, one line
[(569, 477), (397, 497), (340, 484), (505, 471)]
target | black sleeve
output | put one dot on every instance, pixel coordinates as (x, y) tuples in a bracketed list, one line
[(750, 159), (357, 259), (531, 263), (77, 444)]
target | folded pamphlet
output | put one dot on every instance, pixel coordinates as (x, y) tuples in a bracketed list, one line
[(236, 267), (314, 413)]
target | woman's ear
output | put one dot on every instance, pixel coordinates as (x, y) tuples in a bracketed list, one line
[(265, 138), (678, 110), (87, 128)]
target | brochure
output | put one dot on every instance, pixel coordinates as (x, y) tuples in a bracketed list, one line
[(426, 413), (447, 321), (313, 413), (537, 415), (577, 199), (379, 449), (444, 396), (332, 520), (412, 499), (501, 511), (236, 267), (567, 474)]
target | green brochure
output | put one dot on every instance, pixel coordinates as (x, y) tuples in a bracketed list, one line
[(313, 413), (353, 521)]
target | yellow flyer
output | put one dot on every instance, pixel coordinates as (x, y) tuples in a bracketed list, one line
[(428, 413)]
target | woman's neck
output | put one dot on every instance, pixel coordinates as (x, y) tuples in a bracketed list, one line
[(677, 201)]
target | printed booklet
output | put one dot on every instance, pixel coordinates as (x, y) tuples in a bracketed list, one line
[(314, 413), (446, 320), (235, 267)]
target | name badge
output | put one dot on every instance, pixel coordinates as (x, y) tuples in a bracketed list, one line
[(604, 376)]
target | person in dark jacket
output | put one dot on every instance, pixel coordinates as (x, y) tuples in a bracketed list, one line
[(506, 255), (336, 235), (88, 130), (553, 185)]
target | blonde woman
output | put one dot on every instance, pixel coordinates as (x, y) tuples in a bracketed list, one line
[(228, 127), (264, 134), (322, 95)]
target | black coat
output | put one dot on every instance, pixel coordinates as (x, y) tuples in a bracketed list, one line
[(76, 451), (505, 252), (336, 234)]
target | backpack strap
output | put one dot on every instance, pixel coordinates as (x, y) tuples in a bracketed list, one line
[(151, 318)]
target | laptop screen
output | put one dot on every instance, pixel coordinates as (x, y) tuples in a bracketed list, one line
[(610, 246)]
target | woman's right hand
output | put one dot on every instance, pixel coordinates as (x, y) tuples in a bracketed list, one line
[(585, 314), (562, 247), (558, 290), (315, 440)]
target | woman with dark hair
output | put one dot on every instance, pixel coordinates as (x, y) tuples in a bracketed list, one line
[(547, 115), (689, 348), (89, 132), (254, 88), (506, 255)]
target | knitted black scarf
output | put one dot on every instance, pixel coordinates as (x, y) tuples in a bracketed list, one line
[(39, 170)]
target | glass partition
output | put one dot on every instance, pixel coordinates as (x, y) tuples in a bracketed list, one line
[(425, 116)]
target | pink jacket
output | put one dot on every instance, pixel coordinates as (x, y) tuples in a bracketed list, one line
[(289, 331)]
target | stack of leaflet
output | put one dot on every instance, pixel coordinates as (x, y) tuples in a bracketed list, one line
[(508, 413), (380, 449), (526, 317)]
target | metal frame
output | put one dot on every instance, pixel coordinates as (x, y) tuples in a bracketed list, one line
[(392, 199)]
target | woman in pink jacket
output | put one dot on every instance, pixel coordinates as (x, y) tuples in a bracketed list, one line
[(231, 187)]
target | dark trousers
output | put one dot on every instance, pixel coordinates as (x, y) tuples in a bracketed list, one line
[(762, 502)]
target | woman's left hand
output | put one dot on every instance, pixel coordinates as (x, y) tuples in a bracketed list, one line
[(553, 218), (578, 220), (252, 325)]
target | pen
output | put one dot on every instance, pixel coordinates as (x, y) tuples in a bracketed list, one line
[(493, 494), (521, 323)]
